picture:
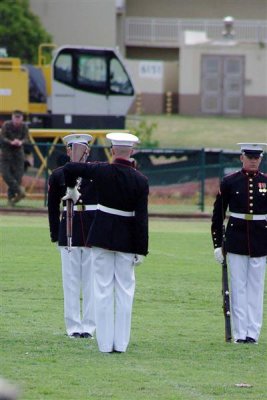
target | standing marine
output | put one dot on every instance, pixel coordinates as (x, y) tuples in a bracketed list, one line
[(244, 195), (77, 270), (14, 135)]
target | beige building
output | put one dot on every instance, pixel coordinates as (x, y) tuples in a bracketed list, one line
[(78, 22), (150, 35), (225, 77)]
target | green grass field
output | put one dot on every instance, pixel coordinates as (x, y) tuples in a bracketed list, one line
[(176, 131), (177, 349)]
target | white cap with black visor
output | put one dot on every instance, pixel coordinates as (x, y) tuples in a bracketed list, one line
[(252, 150), (77, 138), (79, 144), (122, 139)]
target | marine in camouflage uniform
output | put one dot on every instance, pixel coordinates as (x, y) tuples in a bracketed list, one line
[(14, 135)]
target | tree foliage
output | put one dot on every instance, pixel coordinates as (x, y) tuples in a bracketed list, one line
[(21, 31)]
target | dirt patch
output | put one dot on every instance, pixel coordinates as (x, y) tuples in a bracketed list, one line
[(31, 184), (172, 193)]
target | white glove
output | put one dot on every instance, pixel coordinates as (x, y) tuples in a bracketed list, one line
[(138, 259), (218, 255), (72, 194)]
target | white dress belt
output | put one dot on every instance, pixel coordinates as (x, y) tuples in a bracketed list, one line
[(94, 207), (115, 211), (249, 217)]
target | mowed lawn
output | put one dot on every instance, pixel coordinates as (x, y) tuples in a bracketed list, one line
[(178, 131), (177, 348)]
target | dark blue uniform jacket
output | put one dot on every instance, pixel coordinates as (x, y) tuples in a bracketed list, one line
[(81, 220), (244, 193), (121, 187)]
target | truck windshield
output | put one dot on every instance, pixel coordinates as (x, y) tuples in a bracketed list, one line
[(92, 71)]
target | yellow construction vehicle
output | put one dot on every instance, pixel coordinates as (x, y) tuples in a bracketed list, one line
[(81, 88)]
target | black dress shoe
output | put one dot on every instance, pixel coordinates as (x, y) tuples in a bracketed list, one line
[(250, 340), (239, 341), (74, 335), (86, 335)]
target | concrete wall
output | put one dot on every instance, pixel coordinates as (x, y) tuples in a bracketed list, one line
[(152, 80), (240, 9), (81, 22), (96, 22)]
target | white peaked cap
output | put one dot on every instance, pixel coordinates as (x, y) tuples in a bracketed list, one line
[(77, 138), (251, 147), (228, 19), (122, 139)]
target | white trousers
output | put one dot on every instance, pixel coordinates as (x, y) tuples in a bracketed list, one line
[(114, 286), (77, 276), (247, 277)]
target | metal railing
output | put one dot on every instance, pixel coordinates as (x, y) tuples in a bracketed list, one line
[(157, 32)]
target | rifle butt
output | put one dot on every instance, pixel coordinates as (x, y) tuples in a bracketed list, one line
[(226, 302)]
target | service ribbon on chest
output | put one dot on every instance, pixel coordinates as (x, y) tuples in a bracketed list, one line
[(262, 187)]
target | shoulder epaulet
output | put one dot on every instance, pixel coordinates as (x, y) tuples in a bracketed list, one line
[(57, 170), (96, 162), (141, 174), (231, 174)]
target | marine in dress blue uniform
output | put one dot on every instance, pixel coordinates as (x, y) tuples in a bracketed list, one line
[(118, 236), (244, 194), (77, 272)]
